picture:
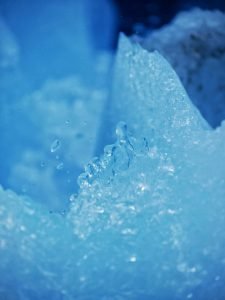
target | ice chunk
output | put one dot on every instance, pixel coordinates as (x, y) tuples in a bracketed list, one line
[(35, 248), (148, 220), (156, 96), (156, 223), (194, 44), (152, 207)]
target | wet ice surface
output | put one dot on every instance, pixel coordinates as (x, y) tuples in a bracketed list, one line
[(150, 204), (147, 221), (194, 44)]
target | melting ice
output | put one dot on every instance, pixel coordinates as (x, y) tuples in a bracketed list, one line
[(148, 219)]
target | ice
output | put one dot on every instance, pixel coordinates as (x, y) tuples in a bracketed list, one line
[(30, 242), (147, 220), (153, 205), (194, 44), (155, 94)]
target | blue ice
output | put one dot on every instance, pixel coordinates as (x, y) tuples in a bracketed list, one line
[(146, 218)]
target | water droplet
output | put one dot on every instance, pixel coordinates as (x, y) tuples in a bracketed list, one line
[(96, 165), (109, 150), (73, 197), (60, 166), (43, 165), (121, 131), (62, 213), (55, 146), (83, 180)]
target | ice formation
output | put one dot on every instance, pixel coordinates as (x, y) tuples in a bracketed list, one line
[(151, 200), (194, 44), (147, 221)]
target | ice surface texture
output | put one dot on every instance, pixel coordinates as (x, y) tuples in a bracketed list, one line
[(148, 220), (194, 44), (151, 205)]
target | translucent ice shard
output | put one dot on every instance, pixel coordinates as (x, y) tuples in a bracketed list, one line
[(194, 44), (156, 96)]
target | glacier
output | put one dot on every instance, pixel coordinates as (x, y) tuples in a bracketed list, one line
[(145, 219)]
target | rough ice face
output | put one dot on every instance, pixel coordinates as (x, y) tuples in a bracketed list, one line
[(194, 44), (152, 206), (156, 96), (35, 250), (157, 225)]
